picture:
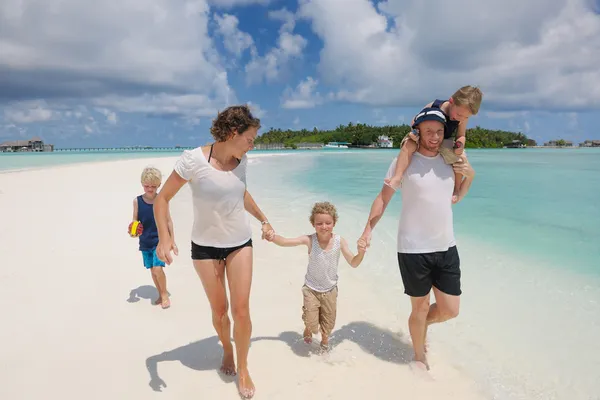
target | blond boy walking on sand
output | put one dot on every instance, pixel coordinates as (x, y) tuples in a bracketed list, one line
[(320, 288), (143, 211)]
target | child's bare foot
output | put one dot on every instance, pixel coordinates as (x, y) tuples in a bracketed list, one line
[(307, 336), (228, 364), (324, 342), (245, 384), (393, 182)]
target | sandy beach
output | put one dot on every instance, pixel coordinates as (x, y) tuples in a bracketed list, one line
[(79, 323)]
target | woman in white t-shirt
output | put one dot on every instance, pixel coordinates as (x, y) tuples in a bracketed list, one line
[(221, 234)]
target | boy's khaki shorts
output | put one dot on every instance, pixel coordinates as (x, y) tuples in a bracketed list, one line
[(446, 150), (319, 309)]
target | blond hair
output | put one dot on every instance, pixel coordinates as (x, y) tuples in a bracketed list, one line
[(470, 97), (324, 207), (151, 175)]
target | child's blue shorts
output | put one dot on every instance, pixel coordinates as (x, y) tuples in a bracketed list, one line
[(150, 259)]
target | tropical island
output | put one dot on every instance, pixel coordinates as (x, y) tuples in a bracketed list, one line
[(363, 135)]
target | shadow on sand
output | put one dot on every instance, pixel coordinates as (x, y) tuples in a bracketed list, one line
[(143, 292), (382, 343), (205, 354)]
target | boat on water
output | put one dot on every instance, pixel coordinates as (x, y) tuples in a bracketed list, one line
[(336, 145)]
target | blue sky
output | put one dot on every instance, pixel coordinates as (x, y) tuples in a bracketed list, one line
[(155, 72)]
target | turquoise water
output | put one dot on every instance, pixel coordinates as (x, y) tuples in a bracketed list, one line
[(533, 201), (16, 161), (528, 237)]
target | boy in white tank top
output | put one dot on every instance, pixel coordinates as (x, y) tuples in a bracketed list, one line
[(320, 282)]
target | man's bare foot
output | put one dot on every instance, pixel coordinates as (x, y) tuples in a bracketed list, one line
[(307, 336), (245, 384), (228, 364)]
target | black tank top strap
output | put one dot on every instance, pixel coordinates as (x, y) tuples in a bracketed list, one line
[(210, 154), (437, 103)]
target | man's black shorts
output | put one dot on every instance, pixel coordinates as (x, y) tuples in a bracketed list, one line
[(422, 271)]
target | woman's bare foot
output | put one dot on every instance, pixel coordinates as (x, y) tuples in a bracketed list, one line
[(307, 336), (228, 364), (158, 301), (245, 384), (166, 303)]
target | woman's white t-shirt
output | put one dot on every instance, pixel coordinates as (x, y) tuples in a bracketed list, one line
[(220, 219)]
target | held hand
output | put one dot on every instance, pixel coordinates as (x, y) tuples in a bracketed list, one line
[(270, 236), (364, 242), (361, 245), (163, 251), (267, 231), (463, 167)]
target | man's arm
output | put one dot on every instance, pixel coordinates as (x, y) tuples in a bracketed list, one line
[(377, 209)]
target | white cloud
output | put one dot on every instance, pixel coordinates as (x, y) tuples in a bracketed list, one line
[(540, 53), (506, 114), (256, 110), (28, 111), (304, 96), (62, 50), (297, 121), (88, 128), (234, 40), (111, 116), (288, 18), (234, 3), (272, 66)]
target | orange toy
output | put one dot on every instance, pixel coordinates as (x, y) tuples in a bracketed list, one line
[(135, 229)]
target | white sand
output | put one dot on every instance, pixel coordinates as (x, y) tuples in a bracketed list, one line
[(78, 321)]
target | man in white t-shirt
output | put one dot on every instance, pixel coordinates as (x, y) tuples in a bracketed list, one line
[(427, 253)]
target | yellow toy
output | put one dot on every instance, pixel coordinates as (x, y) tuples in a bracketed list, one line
[(135, 229)]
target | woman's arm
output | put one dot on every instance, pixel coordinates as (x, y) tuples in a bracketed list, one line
[(162, 216), (251, 206)]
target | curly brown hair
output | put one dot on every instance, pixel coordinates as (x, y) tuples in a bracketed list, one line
[(233, 119), (324, 207)]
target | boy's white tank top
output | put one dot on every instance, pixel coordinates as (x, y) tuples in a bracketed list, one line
[(322, 272)]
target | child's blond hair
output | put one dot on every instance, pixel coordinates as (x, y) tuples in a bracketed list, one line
[(470, 97), (323, 207), (151, 176)]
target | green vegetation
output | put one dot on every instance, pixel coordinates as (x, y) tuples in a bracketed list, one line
[(364, 135)]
